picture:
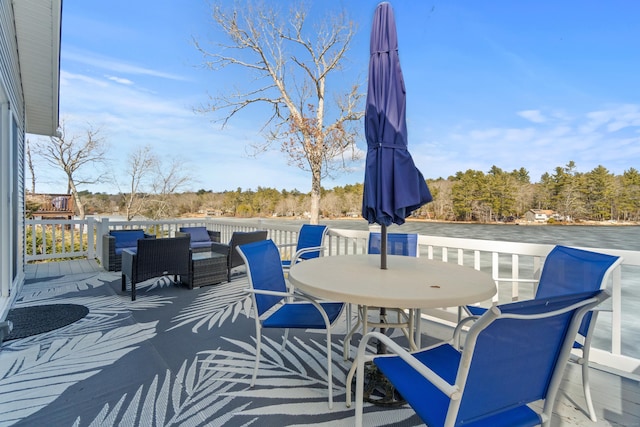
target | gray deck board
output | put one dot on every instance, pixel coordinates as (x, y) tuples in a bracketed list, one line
[(616, 398)]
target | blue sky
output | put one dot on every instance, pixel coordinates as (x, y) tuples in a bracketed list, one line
[(531, 84)]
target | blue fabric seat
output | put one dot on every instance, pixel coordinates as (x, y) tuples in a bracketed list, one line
[(397, 244), (492, 381), (126, 239), (117, 241), (310, 244), (569, 270), (274, 306)]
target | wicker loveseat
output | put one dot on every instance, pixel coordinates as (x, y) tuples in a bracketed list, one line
[(237, 238), (154, 258), (115, 242), (201, 238)]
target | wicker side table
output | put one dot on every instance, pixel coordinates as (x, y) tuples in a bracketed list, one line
[(207, 268)]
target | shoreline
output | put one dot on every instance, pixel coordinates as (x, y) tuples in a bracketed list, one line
[(433, 221), (519, 223)]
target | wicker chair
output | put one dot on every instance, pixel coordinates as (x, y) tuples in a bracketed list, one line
[(117, 241), (201, 238), (237, 238), (154, 258)]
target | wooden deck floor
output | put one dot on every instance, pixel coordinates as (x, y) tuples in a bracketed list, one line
[(616, 398)]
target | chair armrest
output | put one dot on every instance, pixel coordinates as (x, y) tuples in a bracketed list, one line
[(290, 295), (450, 390), (149, 236), (108, 249), (455, 340), (128, 263), (272, 293), (214, 235), (303, 251), (181, 234), (220, 248)]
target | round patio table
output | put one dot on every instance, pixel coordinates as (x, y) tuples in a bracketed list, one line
[(408, 282)]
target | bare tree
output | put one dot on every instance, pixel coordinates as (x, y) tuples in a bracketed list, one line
[(75, 154), (291, 62), (31, 169), (141, 167), (168, 180)]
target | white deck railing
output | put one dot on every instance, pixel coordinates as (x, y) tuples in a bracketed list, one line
[(616, 330)]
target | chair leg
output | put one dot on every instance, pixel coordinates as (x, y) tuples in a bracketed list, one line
[(587, 391), (285, 338), (352, 371), (329, 370), (584, 362), (133, 290), (346, 352), (124, 283), (258, 349)]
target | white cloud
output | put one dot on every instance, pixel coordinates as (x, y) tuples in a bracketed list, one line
[(68, 80), (120, 80), (613, 119), (534, 116), (608, 137), (114, 64)]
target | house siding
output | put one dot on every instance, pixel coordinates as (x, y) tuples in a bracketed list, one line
[(12, 137), (9, 65)]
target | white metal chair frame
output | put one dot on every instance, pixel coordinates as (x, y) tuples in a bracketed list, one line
[(584, 342), (456, 390), (299, 254), (288, 297)]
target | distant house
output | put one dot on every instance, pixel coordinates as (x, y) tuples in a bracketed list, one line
[(51, 206), (29, 93), (539, 215)]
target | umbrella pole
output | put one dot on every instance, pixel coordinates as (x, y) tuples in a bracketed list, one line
[(383, 265), (378, 389), (383, 247)]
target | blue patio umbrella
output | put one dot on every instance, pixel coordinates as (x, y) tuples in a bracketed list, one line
[(393, 186)]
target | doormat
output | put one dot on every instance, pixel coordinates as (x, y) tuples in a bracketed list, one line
[(28, 321)]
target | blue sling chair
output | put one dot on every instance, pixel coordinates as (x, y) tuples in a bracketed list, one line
[(513, 355), (275, 306), (310, 244), (568, 270)]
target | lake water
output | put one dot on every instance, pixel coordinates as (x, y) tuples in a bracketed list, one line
[(610, 237)]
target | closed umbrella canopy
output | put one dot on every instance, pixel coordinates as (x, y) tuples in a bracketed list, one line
[(393, 186)]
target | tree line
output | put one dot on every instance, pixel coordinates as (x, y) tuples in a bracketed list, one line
[(498, 195), (472, 195)]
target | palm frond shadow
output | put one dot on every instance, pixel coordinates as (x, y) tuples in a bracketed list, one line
[(53, 367), (297, 373), (49, 290), (214, 306), (190, 397)]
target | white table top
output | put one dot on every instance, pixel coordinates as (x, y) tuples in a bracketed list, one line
[(408, 282)]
